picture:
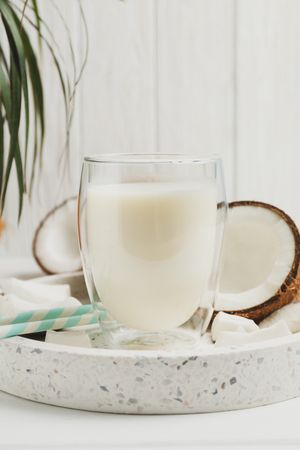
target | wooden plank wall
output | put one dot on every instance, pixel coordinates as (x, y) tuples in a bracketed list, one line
[(268, 102), (207, 76)]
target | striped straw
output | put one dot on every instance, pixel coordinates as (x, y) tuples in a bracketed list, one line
[(44, 325), (38, 320), (46, 313)]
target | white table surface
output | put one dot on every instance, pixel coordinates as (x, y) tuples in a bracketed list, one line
[(28, 425)]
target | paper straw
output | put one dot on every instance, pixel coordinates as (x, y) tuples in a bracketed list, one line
[(48, 324), (46, 313)]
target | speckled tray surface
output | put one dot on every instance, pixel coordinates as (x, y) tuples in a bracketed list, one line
[(149, 382)]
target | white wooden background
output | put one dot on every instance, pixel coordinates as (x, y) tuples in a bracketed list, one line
[(178, 76)]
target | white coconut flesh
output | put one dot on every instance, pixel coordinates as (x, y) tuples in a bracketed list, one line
[(235, 338), (259, 251), (55, 244)]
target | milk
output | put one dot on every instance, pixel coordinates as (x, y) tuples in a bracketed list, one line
[(151, 249)]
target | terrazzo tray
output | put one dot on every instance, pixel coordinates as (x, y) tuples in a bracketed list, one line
[(149, 382)]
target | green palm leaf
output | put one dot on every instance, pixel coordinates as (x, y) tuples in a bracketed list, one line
[(19, 86), (21, 93)]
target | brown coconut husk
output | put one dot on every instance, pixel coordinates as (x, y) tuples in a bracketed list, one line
[(290, 288)]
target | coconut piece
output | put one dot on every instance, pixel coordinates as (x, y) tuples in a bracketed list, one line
[(35, 292), (70, 338), (290, 314), (234, 338), (55, 243), (260, 261), (228, 322)]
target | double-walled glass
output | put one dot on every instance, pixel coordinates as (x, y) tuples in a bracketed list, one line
[(150, 231)]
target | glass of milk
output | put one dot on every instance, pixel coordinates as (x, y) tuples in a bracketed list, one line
[(150, 232)]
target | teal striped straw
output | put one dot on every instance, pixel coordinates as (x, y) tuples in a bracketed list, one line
[(36, 321), (45, 314)]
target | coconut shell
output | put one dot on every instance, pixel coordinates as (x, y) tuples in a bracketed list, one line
[(36, 234), (290, 288)]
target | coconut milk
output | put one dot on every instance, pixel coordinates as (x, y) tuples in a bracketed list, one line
[(151, 250)]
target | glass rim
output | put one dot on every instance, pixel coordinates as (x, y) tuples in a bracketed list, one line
[(151, 158)]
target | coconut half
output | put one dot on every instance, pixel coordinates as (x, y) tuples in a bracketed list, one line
[(260, 260), (55, 243)]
